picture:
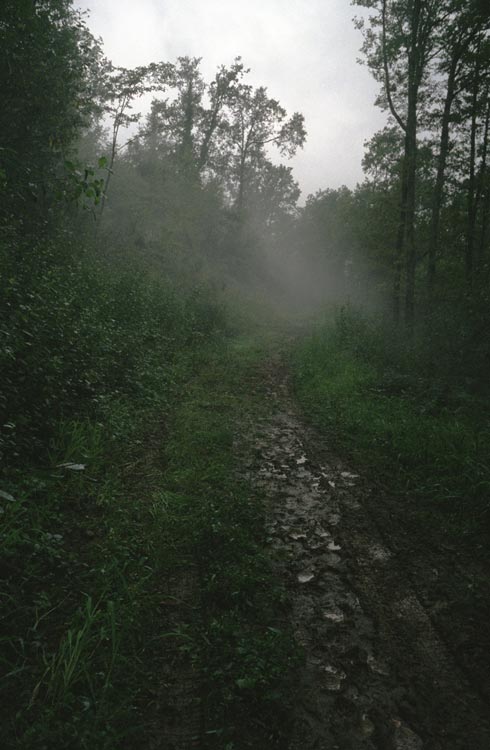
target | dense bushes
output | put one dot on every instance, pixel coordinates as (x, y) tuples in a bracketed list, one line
[(75, 333), (93, 360)]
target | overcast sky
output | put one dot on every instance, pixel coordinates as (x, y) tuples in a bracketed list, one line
[(304, 51)]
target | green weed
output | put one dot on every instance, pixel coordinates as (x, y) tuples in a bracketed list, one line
[(374, 398)]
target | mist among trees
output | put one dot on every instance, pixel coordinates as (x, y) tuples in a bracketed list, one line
[(172, 313)]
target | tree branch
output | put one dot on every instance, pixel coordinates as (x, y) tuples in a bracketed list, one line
[(387, 73)]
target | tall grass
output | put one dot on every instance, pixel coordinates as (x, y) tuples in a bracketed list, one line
[(376, 398), (93, 362)]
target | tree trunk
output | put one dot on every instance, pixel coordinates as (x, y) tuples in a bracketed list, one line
[(414, 79), (400, 238), (439, 184), (485, 219), (482, 181), (241, 183), (187, 143), (471, 198)]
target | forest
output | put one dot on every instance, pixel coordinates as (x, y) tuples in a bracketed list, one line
[(244, 434)]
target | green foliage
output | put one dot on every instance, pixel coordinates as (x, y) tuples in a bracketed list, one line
[(215, 521), (74, 334), (46, 58), (83, 184), (81, 545), (377, 400), (88, 541)]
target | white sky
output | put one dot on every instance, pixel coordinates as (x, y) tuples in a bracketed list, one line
[(304, 51)]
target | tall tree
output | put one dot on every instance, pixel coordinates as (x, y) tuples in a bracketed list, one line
[(257, 122), (398, 47), (46, 54), (120, 88), (460, 31), (189, 125)]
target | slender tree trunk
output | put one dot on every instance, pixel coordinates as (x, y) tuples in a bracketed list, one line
[(204, 150), (110, 169), (410, 251), (439, 184), (485, 220), (484, 192), (405, 240), (400, 238), (471, 198), (187, 144), (414, 78), (482, 180), (241, 183), (400, 235)]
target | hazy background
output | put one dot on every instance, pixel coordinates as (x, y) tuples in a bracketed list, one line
[(304, 51)]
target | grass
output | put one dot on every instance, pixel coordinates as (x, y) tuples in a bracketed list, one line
[(417, 435), (217, 523), (127, 501)]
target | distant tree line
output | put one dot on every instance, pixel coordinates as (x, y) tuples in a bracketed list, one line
[(98, 203), (413, 239)]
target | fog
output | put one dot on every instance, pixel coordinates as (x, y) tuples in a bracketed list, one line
[(305, 53), (244, 349)]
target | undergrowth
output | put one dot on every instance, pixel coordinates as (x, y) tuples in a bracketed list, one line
[(217, 522), (131, 479), (413, 428)]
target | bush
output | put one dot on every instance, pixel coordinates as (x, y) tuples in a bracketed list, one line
[(74, 334), (419, 430)]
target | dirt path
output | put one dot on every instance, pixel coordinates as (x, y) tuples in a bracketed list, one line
[(376, 672)]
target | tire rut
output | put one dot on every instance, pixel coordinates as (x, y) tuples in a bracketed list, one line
[(376, 674)]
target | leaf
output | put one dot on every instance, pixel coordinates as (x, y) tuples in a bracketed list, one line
[(73, 467), (102, 162), (7, 496), (245, 682)]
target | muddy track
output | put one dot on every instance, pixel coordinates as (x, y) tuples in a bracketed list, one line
[(376, 673)]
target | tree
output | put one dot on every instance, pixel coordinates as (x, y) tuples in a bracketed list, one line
[(188, 126), (257, 122), (121, 86), (461, 30), (47, 56), (398, 47)]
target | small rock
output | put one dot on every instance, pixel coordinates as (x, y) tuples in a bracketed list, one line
[(334, 616), (305, 577), (333, 560), (377, 666), (404, 738), (333, 678), (323, 534), (379, 553)]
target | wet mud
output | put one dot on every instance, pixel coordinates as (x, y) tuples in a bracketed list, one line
[(376, 674)]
